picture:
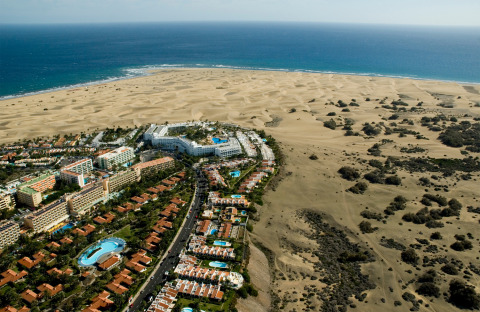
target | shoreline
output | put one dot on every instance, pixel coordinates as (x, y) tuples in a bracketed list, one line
[(152, 71)]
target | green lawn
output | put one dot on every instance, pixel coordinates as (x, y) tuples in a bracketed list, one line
[(124, 233), (203, 306)]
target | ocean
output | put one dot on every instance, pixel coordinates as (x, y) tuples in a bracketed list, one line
[(39, 58)]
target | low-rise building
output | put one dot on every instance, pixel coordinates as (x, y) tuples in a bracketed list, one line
[(10, 276), (9, 308), (214, 252), (198, 290), (100, 301), (118, 156), (139, 261), (47, 217), (85, 231), (107, 218), (6, 200), (9, 232), (29, 263), (110, 262), (203, 227)]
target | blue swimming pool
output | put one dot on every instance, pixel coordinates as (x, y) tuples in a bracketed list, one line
[(218, 141), (236, 196), (212, 232), (243, 212), (65, 227), (217, 264), (220, 243), (113, 244), (264, 140), (235, 174)]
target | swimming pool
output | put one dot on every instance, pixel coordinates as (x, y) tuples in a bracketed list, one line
[(65, 227), (218, 141), (221, 243), (236, 196), (189, 310), (217, 264), (243, 212), (235, 174), (264, 140), (212, 232), (113, 244)]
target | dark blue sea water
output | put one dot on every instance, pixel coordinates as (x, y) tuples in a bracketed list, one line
[(35, 58)]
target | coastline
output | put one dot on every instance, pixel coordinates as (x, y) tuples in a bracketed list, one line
[(148, 70)]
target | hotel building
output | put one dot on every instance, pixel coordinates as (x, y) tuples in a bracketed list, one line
[(159, 136), (116, 182), (80, 202), (154, 165), (118, 156), (30, 192), (74, 173), (47, 217), (6, 200), (9, 232)]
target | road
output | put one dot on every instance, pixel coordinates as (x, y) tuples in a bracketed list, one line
[(171, 258)]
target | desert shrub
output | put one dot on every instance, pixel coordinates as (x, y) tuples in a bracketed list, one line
[(448, 212), (394, 117), (346, 110), (371, 215), (313, 157), (331, 114), (436, 235), (454, 204), (428, 277), (458, 135), (426, 201), (375, 150), (342, 104), (375, 177), (375, 163), (370, 130), (428, 289), (409, 256), (464, 295), (293, 110), (432, 224), (366, 227), (331, 124), (352, 257), (349, 173), (353, 104), (461, 245), (440, 200), (358, 188), (398, 203), (459, 237), (425, 181), (393, 180), (449, 269)]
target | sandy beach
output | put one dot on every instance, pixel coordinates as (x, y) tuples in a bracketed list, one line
[(255, 99)]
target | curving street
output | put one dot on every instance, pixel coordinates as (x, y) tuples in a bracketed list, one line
[(170, 259)]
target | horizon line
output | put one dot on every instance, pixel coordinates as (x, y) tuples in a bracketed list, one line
[(238, 21)]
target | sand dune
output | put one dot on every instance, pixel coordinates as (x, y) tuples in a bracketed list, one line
[(253, 98)]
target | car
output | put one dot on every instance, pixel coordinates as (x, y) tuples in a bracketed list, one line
[(196, 217), (151, 278), (170, 251), (131, 306), (141, 291), (190, 210)]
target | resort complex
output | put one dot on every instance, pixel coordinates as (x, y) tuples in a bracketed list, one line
[(102, 225)]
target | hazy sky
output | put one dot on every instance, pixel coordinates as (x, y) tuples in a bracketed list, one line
[(413, 12)]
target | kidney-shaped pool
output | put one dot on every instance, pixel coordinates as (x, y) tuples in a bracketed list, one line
[(92, 254)]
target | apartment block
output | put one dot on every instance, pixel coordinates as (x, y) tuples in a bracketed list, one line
[(118, 156), (9, 232), (81, 201), (47, 217), (74, 173), (154, 165), (30, 192), (6, 201), (118, 181)]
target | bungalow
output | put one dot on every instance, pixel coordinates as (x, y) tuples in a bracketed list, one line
[(11, 276), (165, 299), (128, 207), (53, 245), (60, 272), (196, 290), (203, 227), (181, 175), (138, 261), (108, 217), (122, 277), (100, 301), (152, 240), (109, 263), (30, 296), (197, 241), (169, 183), (225, 230), (29, 263), (217, 252), (162, 225), (87, 229), (178, 201), (207, 214), (66, 240)]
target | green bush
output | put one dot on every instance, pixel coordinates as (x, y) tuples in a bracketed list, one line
[(349, 173), (331, 124)]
